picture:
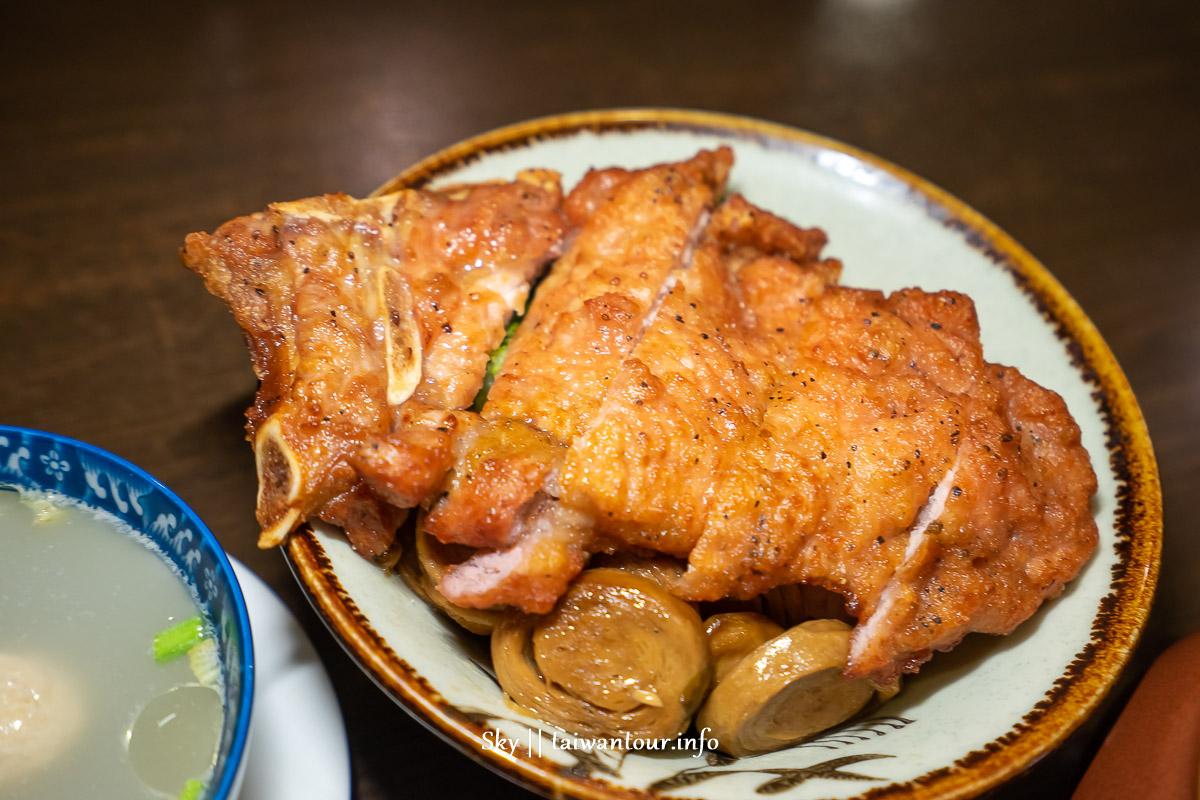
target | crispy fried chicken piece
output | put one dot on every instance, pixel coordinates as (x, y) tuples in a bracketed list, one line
[(864, 449), (634, 232), (852, 442), (687, 381), (636, 229), (666, 468), (775, 429), (351, 307), (369, 521), (692, 392), (1010, 528)]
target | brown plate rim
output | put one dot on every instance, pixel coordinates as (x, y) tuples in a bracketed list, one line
[(1122, 613)]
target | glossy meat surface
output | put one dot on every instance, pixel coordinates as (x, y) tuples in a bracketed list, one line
[(689, 380), (634, 229), (774, 429), (898, 469), (633, 234), (352, 307), (692, 393)]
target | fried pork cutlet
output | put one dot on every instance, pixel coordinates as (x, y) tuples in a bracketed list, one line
[(634, 234), (772, 428), (588, 313), (938, 493), (351, 308), (688, 380), (693, 391)]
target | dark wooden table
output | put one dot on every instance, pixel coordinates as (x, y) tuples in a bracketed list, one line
[(1075, 126)]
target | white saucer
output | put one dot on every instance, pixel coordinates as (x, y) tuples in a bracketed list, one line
[(298, 746)]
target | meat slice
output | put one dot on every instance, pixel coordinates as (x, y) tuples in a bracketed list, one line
[(550, 549), (635, 229), (853, 440), (775, 429), (470, 254), (407, 464), (642, 465), (1013, 527), (693, 392), (630, 232), (351, 307), (888, 425), (368, 520), (501, 471), (634, 233), (688, 380)]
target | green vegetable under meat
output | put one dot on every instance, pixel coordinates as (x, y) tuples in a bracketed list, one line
[(494, 364)]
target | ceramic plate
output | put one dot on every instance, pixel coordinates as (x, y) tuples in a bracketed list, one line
[(298, 746), (973, 717)]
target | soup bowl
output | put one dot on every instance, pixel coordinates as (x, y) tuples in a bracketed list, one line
[(99, 480)]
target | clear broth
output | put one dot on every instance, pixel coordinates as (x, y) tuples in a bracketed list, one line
[(81, 597)]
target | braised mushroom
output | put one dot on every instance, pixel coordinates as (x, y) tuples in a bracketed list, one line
[(422, 567), (618, 655), (733, 636), (663, 570), (787, 689)]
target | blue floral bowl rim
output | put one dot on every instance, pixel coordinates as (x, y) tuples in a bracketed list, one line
[(237, 749)]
